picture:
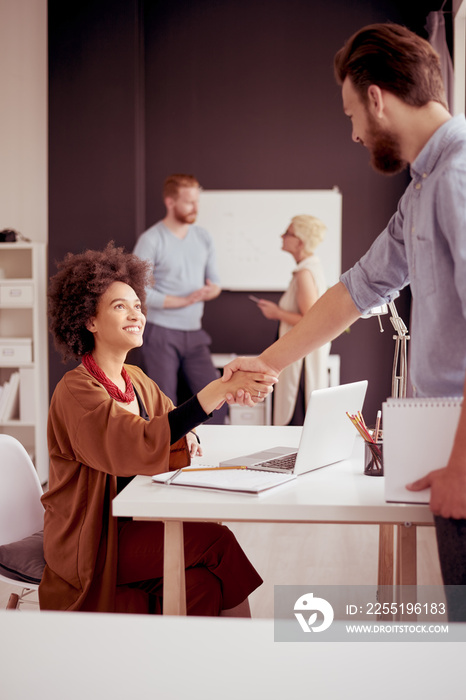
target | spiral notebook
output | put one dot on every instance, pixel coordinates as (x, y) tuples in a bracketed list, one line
[(241, 480), (418, 435)]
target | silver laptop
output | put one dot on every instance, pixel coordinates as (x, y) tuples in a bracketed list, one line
[(327, 437)]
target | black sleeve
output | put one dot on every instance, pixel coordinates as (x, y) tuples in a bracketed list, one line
[(186, 417)]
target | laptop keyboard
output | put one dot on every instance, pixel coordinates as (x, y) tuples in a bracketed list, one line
[(285, 463)]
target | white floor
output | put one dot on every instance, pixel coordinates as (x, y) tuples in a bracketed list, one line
[(312, 554)]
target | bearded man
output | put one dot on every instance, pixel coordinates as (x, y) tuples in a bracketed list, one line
[(393, 94)]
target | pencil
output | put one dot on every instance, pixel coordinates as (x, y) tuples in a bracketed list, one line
[(377, 426), (210, 469), (363, 431), (173, 476), (360, 428)]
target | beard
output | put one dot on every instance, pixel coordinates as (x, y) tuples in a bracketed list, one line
[(184, 218), (385, 150)]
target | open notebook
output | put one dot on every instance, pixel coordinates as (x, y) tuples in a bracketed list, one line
[(241, 480)]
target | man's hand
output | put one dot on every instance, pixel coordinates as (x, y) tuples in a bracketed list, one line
[(249, 364), (243, 394), (206, 293), (210, 290), (448, 491)]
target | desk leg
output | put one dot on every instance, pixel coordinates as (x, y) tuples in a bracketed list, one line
[(407, 569), (386, 555), (386, 568), (406, 564), (407, 555), (174, 577)]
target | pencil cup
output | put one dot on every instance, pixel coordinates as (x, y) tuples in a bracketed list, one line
[(373, 458)]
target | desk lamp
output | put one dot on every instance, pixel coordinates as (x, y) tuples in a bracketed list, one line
[(400, 359)]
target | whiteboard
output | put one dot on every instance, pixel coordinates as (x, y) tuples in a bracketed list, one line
[(246, 226)]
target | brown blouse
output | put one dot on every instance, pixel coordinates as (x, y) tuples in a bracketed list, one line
[(92, 441)]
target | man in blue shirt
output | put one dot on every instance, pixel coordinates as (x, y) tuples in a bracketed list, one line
[(185, 277), (393, 94)]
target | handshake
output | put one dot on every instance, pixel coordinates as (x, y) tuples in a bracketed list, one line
[(248, 380)]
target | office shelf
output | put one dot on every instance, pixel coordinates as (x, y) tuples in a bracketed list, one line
[(23, 345)]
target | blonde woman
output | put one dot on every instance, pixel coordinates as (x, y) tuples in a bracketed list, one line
[(291, 394)]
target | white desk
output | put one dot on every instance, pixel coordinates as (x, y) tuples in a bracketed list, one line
[(340, 493), (95, 655)]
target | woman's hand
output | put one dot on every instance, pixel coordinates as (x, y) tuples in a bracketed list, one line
[(249, 387), (269, 309), (195, 450), (246, 388)]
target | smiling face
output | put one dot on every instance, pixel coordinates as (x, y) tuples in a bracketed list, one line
[(381, 143), (118, 325)]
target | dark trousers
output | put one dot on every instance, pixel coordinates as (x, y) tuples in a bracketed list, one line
[(451, 543), (167, 353), (219, 576), (299, 412)]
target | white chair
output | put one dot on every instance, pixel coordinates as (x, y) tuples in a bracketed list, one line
[(21, 520)]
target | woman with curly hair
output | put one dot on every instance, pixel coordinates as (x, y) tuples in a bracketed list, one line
[(108, 422)]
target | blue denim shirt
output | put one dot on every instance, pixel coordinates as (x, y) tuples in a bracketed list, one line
[(424, 245)]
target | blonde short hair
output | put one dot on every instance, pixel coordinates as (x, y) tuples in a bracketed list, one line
[(310, 230)]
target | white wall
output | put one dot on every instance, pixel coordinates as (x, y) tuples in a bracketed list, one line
[(246, 226), (23, 117)]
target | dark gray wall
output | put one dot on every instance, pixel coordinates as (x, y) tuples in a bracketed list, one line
[(241, 93)]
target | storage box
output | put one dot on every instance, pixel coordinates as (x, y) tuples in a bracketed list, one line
[(245, 415), (16, 293), (15, 352)]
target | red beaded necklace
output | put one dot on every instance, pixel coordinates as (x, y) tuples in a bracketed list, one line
[(93, 368)]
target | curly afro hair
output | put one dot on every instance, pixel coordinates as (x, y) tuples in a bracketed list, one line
[(75, 291)]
